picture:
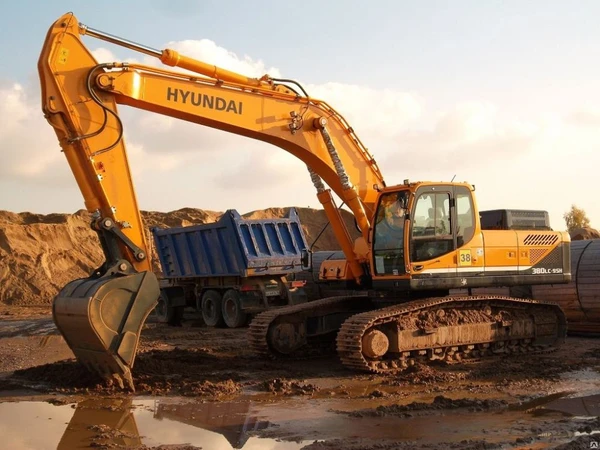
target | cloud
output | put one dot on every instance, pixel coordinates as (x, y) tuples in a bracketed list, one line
[(471, 134), (29, 147), (141, 161), (13, 105), (104, 55), (203, 50), (163, 134), (585, 117), (383, 112), (263, 168), (209, 52)]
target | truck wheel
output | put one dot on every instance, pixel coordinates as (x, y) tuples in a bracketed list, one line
[(210, 306), (233, 314), (164, 313)]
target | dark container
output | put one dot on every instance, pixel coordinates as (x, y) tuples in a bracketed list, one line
[(514, 219)]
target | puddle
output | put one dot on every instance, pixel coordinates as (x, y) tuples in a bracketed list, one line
[(538, 402), (243, 424), (580, 398), (121, 422), (585, 376), (572, 401), (254, 422), (588, 406)]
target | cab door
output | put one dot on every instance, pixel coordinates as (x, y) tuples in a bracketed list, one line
[(470, 256), (433, 238)]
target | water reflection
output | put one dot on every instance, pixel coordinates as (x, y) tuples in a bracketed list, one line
[(235, 421), (588, 406), (101, 422), (145, 423), (134, 423)]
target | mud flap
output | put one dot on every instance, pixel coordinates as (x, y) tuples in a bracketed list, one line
[(101, 319)]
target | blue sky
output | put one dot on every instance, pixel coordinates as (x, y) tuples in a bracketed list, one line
[(451, 48), (501, 93)]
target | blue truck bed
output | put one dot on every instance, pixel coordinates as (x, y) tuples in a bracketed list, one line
[(232, 246)]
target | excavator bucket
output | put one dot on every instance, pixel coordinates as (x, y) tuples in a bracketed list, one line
[(101, 320)]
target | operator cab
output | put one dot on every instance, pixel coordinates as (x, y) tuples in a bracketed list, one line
[(420, 222)]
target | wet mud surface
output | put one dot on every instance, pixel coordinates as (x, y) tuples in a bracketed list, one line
[(203, 383)]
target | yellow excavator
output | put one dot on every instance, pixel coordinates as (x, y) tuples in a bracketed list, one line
[(418, 240)]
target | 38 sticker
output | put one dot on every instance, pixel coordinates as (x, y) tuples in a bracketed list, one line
[(464, 257)]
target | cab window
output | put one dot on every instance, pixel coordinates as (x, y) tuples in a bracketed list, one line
[(431, 234), (465, 217)]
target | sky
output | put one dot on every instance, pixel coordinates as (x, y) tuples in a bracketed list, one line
[(501, 94)]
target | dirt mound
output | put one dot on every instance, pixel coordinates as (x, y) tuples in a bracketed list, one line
[(439, 403), (371, 444), (423, 374), (39, 254), (177, 372), (183, 217), (581, 234), (286, 387)]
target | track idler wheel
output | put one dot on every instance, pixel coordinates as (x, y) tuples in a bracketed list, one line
[(285, 337), (375, 344)]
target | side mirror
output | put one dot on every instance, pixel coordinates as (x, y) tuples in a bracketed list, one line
[(306, 259)]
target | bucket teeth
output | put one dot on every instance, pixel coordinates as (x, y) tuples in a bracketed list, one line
[(124, 380)]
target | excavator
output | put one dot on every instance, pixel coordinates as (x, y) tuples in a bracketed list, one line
[(405, 311)]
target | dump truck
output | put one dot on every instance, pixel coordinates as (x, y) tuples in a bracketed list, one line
[(229, 270), (418, 239)]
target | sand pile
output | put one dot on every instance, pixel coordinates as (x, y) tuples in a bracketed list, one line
[(39, 254), (580, 234)]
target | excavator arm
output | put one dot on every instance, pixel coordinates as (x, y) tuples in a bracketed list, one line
[(101, 316)]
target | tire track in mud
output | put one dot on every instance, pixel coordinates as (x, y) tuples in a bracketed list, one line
[(31, 327)]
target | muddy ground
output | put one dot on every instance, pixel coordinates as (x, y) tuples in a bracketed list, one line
[(205, 378)]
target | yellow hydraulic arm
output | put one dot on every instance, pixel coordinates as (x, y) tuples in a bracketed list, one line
[(101, 316)]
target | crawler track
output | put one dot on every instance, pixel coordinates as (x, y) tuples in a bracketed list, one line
[(260, 330), (490, 325), (451, 329)]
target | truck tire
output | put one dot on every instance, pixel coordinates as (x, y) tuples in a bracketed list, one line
[(233, 314), (210, 307), (172, 315)]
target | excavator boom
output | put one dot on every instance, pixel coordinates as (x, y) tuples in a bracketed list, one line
[(101, 316)]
